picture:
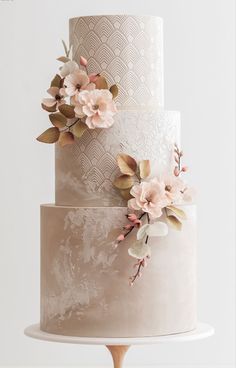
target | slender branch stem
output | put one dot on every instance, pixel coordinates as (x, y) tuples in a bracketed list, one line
[(69, 126)]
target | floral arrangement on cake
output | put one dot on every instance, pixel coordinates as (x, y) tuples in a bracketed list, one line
[(78, 101), (150, 199)]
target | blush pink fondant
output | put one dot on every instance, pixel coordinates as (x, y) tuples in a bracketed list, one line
[(85, 280)]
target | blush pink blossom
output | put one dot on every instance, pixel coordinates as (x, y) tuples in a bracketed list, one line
[(149, 197), (57, 97), (98, 106), (188, 194), (76, 82), (174, 187)]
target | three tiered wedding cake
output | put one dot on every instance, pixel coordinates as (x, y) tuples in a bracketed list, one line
[(116, 145)]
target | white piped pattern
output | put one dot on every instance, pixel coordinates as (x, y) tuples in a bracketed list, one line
[(127, 50)]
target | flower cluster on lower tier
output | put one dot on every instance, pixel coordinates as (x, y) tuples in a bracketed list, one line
[(149, 199)]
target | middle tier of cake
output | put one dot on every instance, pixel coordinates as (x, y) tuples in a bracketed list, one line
[(85, 171)]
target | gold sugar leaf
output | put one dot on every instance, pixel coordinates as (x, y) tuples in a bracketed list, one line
[(67, 111), (174, 222), (124, 182), (65, 138), (50, 135), (144, 169), (127, 164), (114, 90), (79, 128), (101, 83), (56, 82), (58, 120), (177, 211)]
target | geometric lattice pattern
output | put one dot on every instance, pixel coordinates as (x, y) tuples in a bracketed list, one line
[(127, 50), (85, 170)]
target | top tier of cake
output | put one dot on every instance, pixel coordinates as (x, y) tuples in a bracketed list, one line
[(128, 50)]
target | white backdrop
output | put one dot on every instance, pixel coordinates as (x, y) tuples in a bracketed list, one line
[(199, 76)]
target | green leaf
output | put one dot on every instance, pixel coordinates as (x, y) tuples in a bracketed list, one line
[(114, 90), (63, 59), (174, 222), (127, 164), (177, 211), (58, 120), (124, 182), (67, 111), (49, 109), (66, 138), (56, 82), (50, 135), (79, 128), (101, 83)]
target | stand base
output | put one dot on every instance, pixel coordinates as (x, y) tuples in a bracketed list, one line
[(119, 346)]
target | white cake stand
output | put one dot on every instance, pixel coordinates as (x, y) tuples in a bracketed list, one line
[(119, 346)]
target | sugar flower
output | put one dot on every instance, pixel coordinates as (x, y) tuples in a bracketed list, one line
[(188, 194), (98, 106), (68, 68), (56, 99), (149, 197), (174, 187), (76, 82)]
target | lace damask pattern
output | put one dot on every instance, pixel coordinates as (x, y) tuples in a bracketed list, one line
[(127, 50), (86, 170)]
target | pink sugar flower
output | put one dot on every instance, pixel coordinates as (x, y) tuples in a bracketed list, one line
[(76, 82), (174, 187), (56, 98), (149, 197), (98, 106)]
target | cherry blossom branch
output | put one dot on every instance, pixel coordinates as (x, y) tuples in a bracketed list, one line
[(136, 223), (141, 264), (178, 155)]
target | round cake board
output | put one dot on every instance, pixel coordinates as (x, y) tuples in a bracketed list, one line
[(119, 346)]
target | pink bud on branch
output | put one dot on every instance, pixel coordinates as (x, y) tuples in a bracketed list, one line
[(120, 238), (83, 61), (176, 171), (127, 227), (132, 217)]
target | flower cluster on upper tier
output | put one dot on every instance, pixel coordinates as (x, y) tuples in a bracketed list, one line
[(150, 198), (78, 100)]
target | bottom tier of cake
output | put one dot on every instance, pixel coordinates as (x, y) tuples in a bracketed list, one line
[(85, 287)]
